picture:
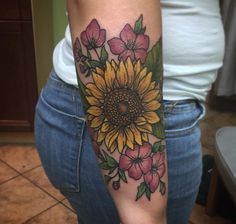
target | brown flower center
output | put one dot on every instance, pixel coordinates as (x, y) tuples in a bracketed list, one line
[(122, 107)]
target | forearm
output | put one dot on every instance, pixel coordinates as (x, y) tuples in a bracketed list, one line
[(118, 60)]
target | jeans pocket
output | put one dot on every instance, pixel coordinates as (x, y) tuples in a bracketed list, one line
[(59, 137), (183, 119)]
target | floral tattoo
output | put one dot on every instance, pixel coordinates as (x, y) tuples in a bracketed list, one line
[(123, 105)]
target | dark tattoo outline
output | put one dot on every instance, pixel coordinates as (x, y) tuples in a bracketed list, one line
[(123, 104)]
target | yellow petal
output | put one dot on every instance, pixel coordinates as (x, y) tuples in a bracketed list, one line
[(151, 95), (92, 88), (151, 117), (129, 138), (122, 74), (96, 111), (113, 147), (152, 85), (111, 137), (145, 83), (101, 136), (99, 71), (114, 65), (140, 76), (130, 71), (137, 67), (89, 117), (145, 137), (96, 122), (145, 128), (109, 75), (121, 141), (153, 105), (93, 101), (137, 135), (100, 82), (140, 121), (105, 127)]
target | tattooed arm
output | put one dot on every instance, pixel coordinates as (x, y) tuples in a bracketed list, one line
[(117, 49)]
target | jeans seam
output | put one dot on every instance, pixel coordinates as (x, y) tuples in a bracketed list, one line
[(59, 111)]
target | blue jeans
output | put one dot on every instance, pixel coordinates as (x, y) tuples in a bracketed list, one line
[(68, 159)]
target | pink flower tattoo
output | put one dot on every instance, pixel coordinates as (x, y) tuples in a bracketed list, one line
[(93, 37), (152, 178), (130, 44), (137, 161)]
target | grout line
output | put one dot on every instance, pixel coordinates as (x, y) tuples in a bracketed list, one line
[(28, 220), (49, 194), (4, 182), (61, 202), (18, 170)]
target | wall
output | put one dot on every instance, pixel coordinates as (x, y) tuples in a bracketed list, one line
[(43, 38), (59, 20)]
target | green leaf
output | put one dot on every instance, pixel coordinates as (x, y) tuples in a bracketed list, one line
[(154, 61), (112, 169), (141, 190), (89, 55), (158, 130), (112, 163), (104, 166), (104, 55), (148, 193), (156, 147), (138, 27), (94, 64), (122, 175), (162, 148)]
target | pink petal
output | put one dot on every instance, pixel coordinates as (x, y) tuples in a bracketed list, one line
[(135, 171), (145, 150), (161, 170), (126, 54), (142, 41), (116, 45), (93, 29), (84, 38), (146, 165), (154, 183), (132, 153), (140, 54), (102, 38), (148, 177), (127, 34), (125, 162)]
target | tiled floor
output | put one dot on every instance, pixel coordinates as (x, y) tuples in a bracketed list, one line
[(26, 195)]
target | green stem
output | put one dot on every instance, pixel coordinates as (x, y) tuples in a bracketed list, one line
[(97, 54)]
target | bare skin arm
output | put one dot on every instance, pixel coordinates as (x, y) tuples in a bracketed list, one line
[(117, 49)]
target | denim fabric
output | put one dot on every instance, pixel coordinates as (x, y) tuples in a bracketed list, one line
[(68, 159)]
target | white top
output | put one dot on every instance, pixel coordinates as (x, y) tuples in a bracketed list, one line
[(193, 49)]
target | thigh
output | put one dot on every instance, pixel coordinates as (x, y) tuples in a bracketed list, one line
[(66, 152), (184, 159)]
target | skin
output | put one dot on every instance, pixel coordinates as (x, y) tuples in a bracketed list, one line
[(112, 16)]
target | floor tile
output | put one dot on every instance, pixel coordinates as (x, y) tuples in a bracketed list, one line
[(58, 214), (6, 172), (21, 200), (39, 177), (199, 216), (21, 158), (66, 203)]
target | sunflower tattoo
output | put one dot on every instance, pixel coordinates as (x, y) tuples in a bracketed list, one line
[(123, 104)]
